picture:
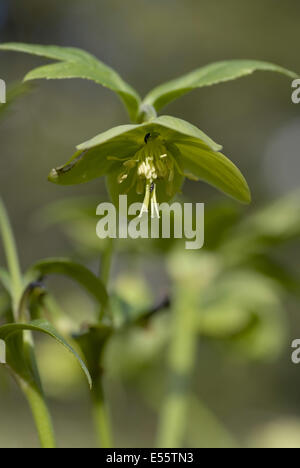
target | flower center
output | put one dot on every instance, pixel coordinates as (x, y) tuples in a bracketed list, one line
[(151, 163)]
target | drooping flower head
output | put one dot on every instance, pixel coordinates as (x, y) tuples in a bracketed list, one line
[(148, 162)]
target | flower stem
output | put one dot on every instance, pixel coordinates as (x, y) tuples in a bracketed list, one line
[(100, 409), (101, 415), (32, 391), (40, 414), (12, 258), (172, 424), (105, 269)]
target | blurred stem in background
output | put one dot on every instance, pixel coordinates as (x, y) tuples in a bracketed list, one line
[(101, 414), (105, 268), (41, 415), (182, 352), (33, 393), (101, 411)]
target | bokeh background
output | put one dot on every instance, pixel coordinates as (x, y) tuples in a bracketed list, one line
[(148, 42)]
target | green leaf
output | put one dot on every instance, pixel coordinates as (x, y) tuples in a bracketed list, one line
[(12, 332), (76, 63), (208, 75), (75, 271), (229, 302), (93, 158), (279, 221), (276, 223), (215, 169)]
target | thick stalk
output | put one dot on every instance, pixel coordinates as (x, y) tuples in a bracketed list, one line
[(100, 409), (172, 424), (101, 415), (40, 414), (33, 392)]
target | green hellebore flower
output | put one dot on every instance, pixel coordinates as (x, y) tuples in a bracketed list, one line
[(149, 162)]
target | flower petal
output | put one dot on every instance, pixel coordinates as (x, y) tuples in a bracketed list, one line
[(89, 164), (99, 156), (215, 169)]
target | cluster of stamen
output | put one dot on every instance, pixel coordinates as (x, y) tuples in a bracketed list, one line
[(151, 163)]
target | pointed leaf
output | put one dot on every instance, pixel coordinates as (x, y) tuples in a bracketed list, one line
[(208, 75), (14, 330), (75, 271), (215, 169), (76, 63)]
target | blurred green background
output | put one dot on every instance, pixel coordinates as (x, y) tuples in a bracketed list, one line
[(254, 395)]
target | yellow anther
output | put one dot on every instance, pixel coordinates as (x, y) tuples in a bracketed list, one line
[(123, 176), (151, 163)]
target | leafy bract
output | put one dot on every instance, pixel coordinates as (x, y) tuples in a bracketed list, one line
[(76, 63), (11, 334), (208, 75), (75, 271)]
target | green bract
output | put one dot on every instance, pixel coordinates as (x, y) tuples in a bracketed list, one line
[(149, 159)]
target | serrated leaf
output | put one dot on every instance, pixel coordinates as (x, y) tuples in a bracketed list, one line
[(208, 75), (9, 332), (93, 158), (215, 169), (76, 63), (75, 271)]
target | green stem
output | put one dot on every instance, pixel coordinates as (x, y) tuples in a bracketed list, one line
[(105, 269), (33, 392), (40, 414), (107, 261), (100, 410), (101, 415), (172, 424), (12, 258)]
